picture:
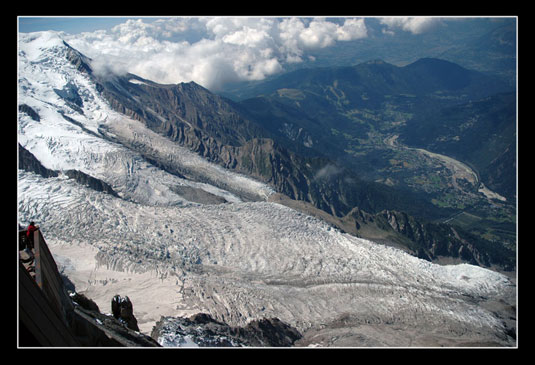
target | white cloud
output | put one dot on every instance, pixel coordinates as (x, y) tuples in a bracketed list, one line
[(352, 29), (321, 33), (327, 172), (415, 25), (211, 51)]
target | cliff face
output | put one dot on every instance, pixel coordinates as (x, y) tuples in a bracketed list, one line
[(28, 162)]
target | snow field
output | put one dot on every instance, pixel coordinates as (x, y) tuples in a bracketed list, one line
[(246, 261)]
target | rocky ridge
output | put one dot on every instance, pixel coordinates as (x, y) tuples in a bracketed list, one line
[(201, 330)]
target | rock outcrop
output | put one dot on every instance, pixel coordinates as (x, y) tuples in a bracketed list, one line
[(433, 240), (201, 330), (28, 162), (95, 329), (123, 310)]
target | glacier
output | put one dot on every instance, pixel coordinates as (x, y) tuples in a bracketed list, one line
[(237, 260)]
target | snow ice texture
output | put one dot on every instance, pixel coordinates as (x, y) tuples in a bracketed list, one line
[(237, 261)]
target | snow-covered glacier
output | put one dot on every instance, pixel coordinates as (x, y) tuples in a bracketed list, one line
[(237, 260)]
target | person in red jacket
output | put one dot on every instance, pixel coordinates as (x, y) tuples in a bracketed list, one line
[(29, 233)]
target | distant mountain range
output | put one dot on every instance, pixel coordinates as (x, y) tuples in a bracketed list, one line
[(487, 45)]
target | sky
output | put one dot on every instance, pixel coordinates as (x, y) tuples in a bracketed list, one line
[(212, 51), (72, 25)]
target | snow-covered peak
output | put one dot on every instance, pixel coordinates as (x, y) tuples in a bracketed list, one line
[(77, 130), (37, 45)]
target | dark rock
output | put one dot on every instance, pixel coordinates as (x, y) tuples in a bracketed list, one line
[(31, 113), (123, 310), (69, 93), (91, 182), (28, 162), (204, 331), (272, 332), (197, 195), (85, 302), (80, 61), (203, 318)]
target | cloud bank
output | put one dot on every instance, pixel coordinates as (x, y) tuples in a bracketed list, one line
[(414, 25), (211, 51)]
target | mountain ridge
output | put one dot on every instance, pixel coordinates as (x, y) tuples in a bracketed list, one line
[(250, 151), (192, 116), (440, 74)]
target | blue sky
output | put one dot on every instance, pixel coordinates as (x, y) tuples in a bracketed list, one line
[(71, 25)]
